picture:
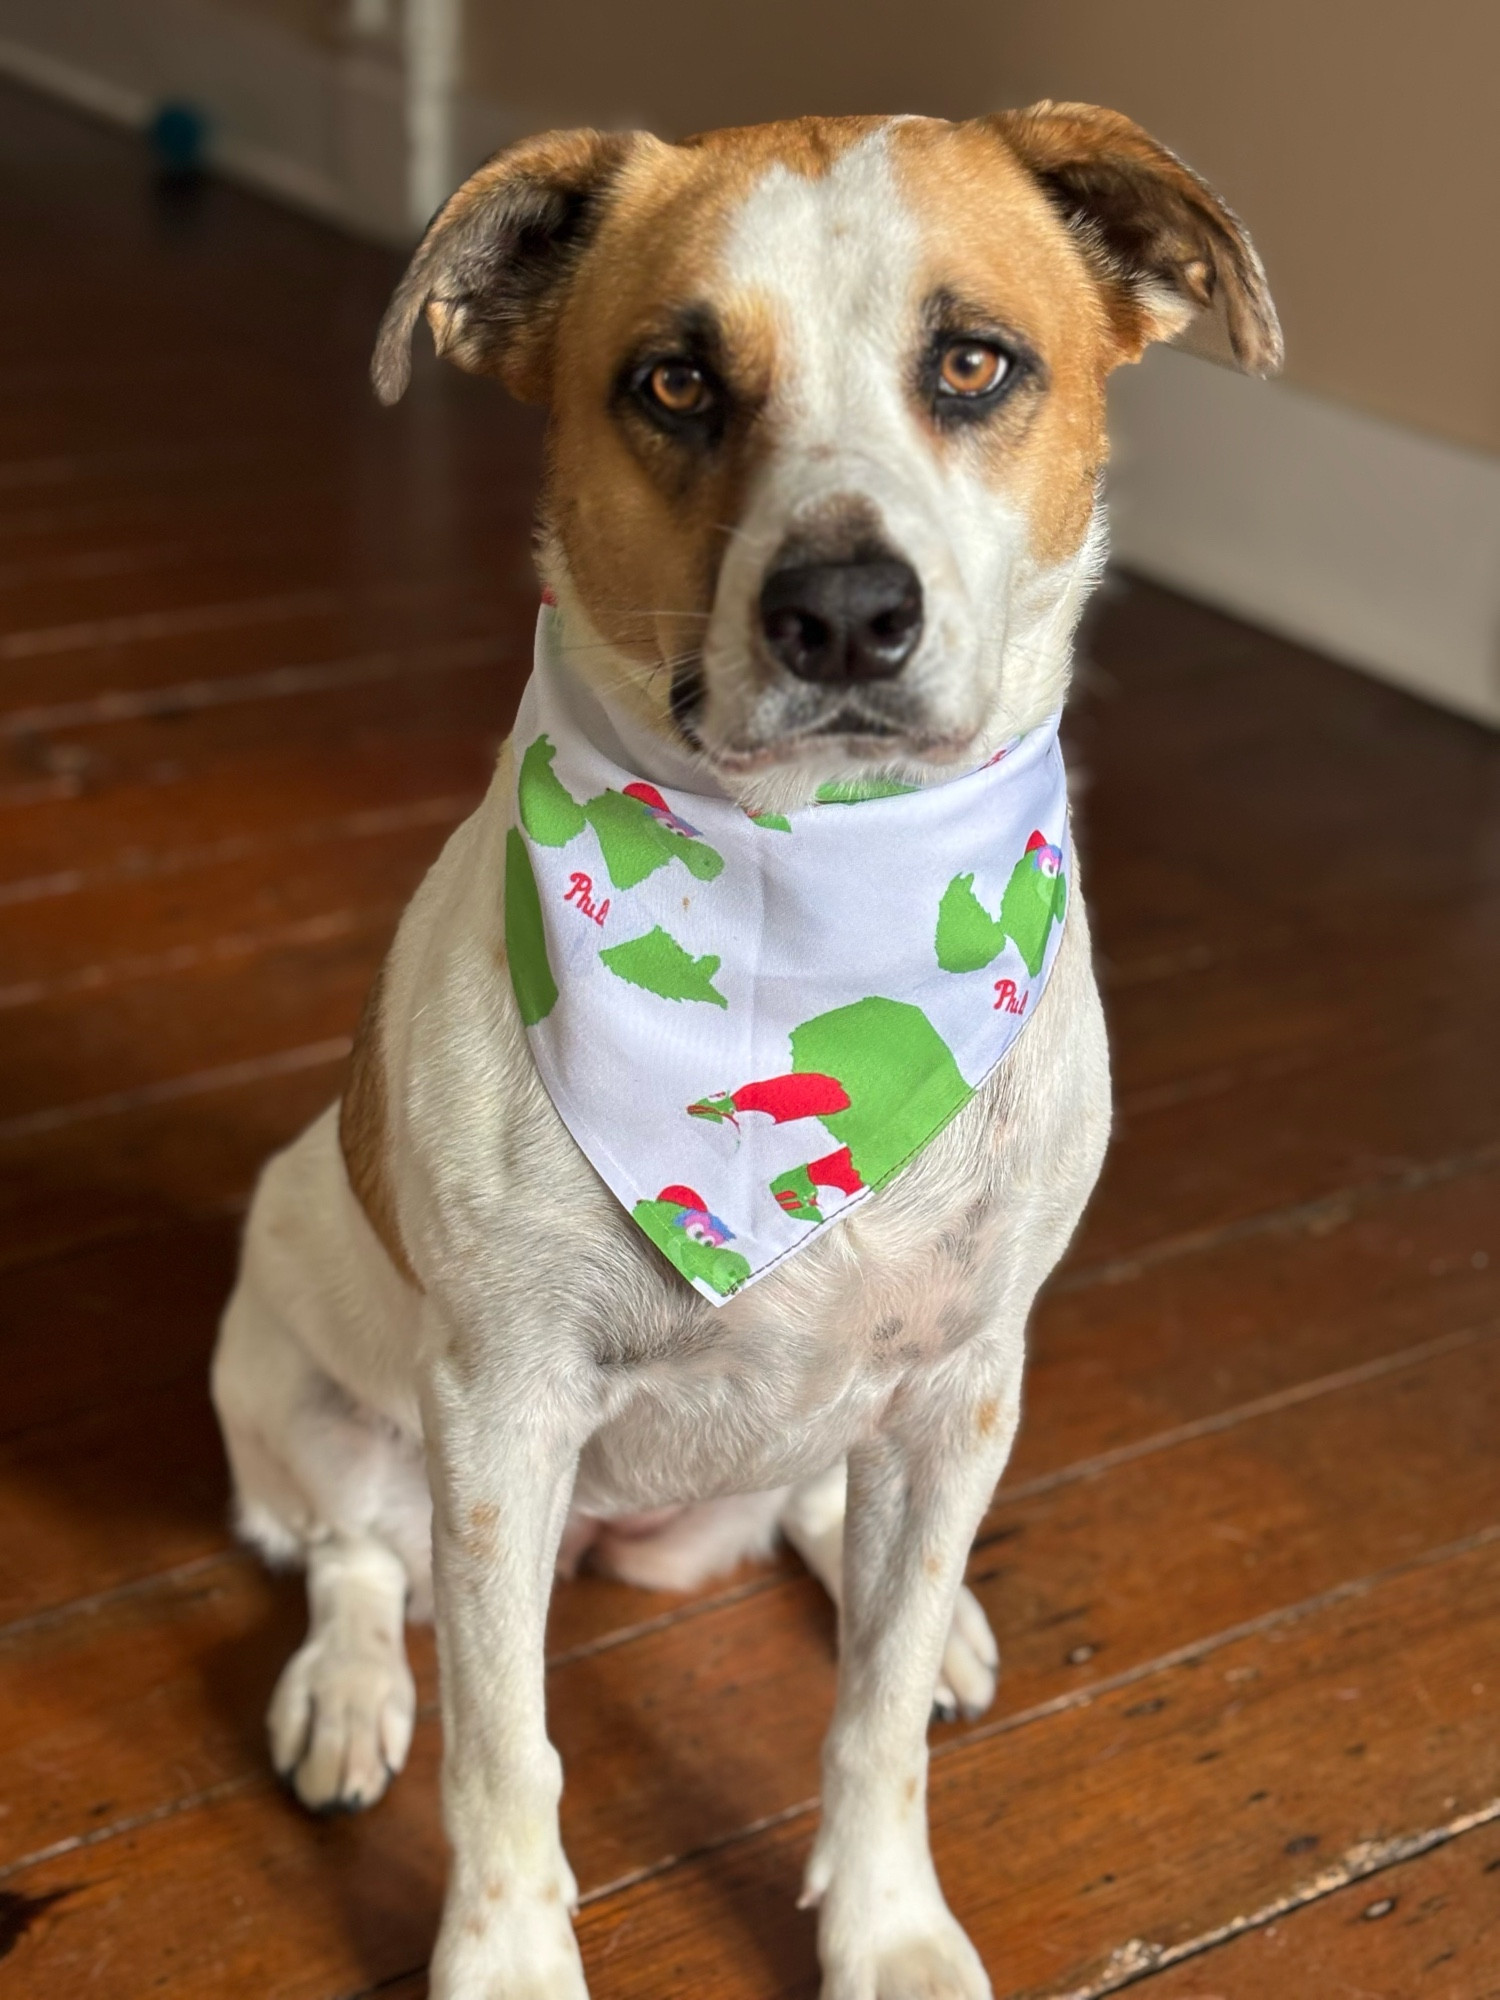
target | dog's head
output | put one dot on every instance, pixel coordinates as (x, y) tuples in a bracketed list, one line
[(827, 407)]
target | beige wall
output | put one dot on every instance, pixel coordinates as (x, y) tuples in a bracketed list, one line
[(1360, 139), (685, 65), (1361, 142), (318, 21)]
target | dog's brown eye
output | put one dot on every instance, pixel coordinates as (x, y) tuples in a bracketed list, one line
[(678, 387), (972, 368)]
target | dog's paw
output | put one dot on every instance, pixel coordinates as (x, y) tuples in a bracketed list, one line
[(497, 1944), (971, 1663), (884, 1930), (340, 1722), (942, 1966), (930, 1961)]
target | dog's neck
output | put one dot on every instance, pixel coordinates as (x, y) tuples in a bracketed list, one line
[(609, 702), (623, 705)]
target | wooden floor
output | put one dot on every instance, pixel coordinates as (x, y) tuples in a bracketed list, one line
[(260, 642)]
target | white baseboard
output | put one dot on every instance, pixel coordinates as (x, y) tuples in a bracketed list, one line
[(1373, 543), (320, 128), (57, 77)]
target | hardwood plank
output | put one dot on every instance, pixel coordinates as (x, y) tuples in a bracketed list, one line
[(93, 1502), (1113, 1365), (63, 1058), (95, 941), (120, 1318), (51, 537), (267, 868), (1203, 1031), (1428, 1927), (1123, 1352), (1249, 1753), (55, 618), (155, 785), (1239, 782), (376, 485), (44, 673), (1189, 1165), (665, 1736), (373, 790), (233, 553), (152, 1161), (1066, 1843)]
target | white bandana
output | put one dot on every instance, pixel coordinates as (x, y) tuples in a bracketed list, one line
[(749, 1023)]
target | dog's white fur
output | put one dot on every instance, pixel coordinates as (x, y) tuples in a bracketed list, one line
[(552, 1383), (834, 260)]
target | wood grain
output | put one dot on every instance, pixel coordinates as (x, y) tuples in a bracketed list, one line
[(1237, 1524), (258, 641), (1429, 1927)]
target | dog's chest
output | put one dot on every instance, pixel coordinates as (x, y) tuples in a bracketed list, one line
[(786, 1379)]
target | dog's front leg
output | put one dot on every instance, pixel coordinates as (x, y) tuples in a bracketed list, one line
[(916, 1496), (502, 1472)]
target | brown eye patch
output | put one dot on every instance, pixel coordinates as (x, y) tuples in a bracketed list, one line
[(675, 382)]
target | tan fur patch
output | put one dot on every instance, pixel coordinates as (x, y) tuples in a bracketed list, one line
[(643, 545), (1162, 242), (644, 550), (363, 1135), (1065, 224), (993, 239), (481, 1537)]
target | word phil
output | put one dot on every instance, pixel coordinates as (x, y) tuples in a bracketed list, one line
[(581, 895), (1006, 997)]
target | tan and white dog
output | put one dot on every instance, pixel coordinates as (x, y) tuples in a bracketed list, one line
[(824, 455)]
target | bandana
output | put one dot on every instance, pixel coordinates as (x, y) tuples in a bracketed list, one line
[(748, 1022)]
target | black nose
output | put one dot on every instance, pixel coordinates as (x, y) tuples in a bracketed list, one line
[(841, 622)]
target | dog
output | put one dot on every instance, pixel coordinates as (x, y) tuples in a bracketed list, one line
[(822, 500)]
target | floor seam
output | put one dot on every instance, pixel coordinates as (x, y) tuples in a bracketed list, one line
[(171, 1089), (178, 698), (364, 823), (1075, 1699), (1374, 1370), (1097, 1466), (1321, 1214), (1138, 1959)]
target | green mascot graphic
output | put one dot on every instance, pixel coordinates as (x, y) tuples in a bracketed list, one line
[(690, 1237), (968, 937), (879, 1078), (638, 833)]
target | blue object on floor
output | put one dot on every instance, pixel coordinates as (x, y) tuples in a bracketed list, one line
[(178, 134)]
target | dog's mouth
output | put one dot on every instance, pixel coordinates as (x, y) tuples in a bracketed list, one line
[(864, 728), (871, 727), (855, 724), (872, 748)]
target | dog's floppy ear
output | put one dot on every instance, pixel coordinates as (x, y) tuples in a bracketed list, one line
[(495, 258), (1166, 247)]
